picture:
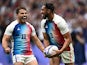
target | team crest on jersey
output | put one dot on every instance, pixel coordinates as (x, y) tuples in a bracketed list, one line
[(46, 26), (18, 28)]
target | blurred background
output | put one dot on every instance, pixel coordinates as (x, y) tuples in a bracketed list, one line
[(73, 11)]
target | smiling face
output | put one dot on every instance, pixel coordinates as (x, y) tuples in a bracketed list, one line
[(44, 12), (22, 15)]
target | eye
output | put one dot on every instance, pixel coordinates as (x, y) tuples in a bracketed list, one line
[(22, 13), (25, 13)]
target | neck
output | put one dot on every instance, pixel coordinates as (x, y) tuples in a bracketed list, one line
[(50, 16), (20, 21)]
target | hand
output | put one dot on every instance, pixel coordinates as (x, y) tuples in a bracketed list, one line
[(58, 52), (7, 50), (44, 54)]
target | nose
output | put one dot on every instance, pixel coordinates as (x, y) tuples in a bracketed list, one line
[(40, 12), (25, 14)]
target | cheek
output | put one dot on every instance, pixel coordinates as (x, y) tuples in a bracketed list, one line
[(43, 11), (20, 17)]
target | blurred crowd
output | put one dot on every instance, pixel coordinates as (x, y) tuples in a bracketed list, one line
[(73, 11)]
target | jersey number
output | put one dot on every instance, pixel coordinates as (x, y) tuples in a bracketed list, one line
[(23, 36)]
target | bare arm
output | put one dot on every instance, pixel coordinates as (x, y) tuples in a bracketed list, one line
[(46, 41), (5, 41), (38, 42), (68, 40)]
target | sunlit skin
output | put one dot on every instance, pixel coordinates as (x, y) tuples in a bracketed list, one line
[(22, 16), (46, 13), (22, 22)]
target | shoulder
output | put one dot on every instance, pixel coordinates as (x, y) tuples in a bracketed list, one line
[(58, 19), (30, 25), (11, 27), (32, 28), (12, 24)]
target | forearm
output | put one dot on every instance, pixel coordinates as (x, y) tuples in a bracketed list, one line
[(4, 43), (65, 45), (6, 46), (68, 40), (39, 44), (46, 43)]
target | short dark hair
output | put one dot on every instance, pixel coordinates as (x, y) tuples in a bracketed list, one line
[(17, 10), (49, 6)]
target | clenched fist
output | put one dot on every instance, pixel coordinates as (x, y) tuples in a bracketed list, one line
[(7, 50)]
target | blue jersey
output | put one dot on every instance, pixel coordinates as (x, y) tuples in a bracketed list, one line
[(55, 29), (21, 34)]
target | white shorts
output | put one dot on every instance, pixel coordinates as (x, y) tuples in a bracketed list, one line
[(68, 56), (23, 58)]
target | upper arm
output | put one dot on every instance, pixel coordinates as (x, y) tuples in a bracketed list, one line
[(6, 38), (62, 25), (34, 38), (46, 40), (5, 41), (8, 32), (33, 33), (67, 36), (45, 36)]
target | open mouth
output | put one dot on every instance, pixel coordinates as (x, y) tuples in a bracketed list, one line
[(24, 17)]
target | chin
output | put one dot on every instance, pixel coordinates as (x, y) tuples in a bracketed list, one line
[(44, 17), (22, 22)]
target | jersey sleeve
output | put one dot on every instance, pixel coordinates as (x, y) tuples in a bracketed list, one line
[(33, 31), (62, 25), (9, 30), (42, 25)]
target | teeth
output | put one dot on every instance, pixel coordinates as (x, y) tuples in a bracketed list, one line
[(24, 17)]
